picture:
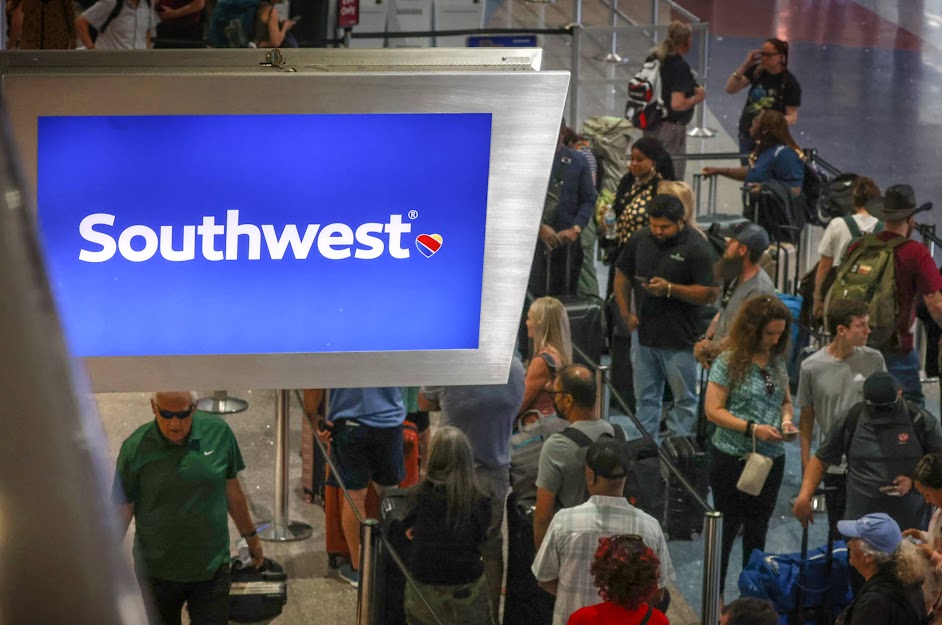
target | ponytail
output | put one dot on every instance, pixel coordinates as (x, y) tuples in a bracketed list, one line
[(864, 190), (677, 35)]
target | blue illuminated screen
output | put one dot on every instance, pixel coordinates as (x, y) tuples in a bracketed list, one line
[(250, 234)]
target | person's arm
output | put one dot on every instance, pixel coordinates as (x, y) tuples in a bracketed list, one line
[(934, 305), (538, 375), (791, 115), (734, 173), (125, 514), (698, 294), (543, 514), (194, 6), (587, 196), (239, 511), (623, 299), (550, 586), (311, 399), (84, 35), (788, 412), (16, 26), (805, 431), (739, 79), (680, 102), (824, 266), (716, 412), (813, 474)]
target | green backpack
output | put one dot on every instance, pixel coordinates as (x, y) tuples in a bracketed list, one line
[(868, 274)]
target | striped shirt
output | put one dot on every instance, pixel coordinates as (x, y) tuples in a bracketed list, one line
[(569, 548)]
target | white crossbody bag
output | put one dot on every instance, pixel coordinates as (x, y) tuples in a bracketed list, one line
[(755, 472)]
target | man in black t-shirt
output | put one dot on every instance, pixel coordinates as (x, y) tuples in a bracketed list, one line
[(680, 92), (669, 267)]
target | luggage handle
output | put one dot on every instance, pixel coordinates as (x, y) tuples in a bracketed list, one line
[(548, 252)]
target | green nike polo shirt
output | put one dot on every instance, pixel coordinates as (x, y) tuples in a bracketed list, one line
[(179, 497)]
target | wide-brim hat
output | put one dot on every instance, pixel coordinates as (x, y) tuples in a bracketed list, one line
[(899, 202)]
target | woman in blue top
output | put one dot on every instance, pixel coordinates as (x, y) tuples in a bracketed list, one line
[(748, 399), (775, 157)]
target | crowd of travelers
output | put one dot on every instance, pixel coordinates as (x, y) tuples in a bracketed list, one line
[(704, 351)]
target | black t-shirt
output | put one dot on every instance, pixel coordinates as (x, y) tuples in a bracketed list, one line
[(768, 91), (439, 554), (667, 323), (677, 77)]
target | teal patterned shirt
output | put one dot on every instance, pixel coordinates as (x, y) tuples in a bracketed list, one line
[(750, 400)]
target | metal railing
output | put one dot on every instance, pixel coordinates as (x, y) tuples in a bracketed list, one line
[(372, 539), (713, 519)]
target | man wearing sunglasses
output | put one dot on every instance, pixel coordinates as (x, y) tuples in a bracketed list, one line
[(177, 476), (883, 437)]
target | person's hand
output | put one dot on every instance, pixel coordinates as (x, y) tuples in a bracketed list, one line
[(767, 433), (325, 430), (289, 24), (548, 236), (903, 484), (914, 533), (703, 353), (710, 171), (632, 322), (752, 57), (568, 235), (788, 428), (817, 312), (699, 95), (166, 13), (753, 187), (255, 550), (657, 286), (802, 511)]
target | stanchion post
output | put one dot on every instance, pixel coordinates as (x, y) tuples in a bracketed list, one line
[(220, 403), (714, 182), (575, 72), (602, 397), (347, 37), (281, 528), (703, 68), (712, 541), (369, 550), (612, 56)]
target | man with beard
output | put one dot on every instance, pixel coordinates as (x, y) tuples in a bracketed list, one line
[(742, 278), (670, 272)]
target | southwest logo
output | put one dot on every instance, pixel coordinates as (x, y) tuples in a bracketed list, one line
[(428, 244)]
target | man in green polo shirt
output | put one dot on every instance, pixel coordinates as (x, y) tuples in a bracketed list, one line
[(178, 477)]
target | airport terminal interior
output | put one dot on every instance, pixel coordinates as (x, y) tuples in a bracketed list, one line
[(870, 71)]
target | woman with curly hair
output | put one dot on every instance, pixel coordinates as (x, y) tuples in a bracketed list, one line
[(626, 574), (748, 399), (927, 479)]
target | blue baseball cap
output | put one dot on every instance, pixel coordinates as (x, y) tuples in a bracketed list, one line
[(878, 529)]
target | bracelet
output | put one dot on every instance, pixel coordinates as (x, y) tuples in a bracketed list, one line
[(251, 534), (668, 290), (750, 426)]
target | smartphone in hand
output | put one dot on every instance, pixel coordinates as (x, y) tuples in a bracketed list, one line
[(641, 280), (891, 489)]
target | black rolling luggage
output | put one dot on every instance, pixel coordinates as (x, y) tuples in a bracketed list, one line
[(525, 603), (586, 315), (257, 595), (389, 608), (684, 517)]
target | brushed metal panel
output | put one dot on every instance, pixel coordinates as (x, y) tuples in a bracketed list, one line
[(526, 108)]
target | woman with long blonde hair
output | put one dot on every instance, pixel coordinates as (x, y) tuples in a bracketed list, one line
[(548, 327)]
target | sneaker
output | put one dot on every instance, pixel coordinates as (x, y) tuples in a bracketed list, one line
[(350, 575)]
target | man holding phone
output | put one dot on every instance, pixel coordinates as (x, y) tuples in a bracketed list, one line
[(883, 437)]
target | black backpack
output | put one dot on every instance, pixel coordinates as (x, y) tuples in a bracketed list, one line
[(917, 414), (836, 198), (812, 188)]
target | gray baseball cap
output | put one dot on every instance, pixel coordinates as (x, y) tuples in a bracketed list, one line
[(753, 236)]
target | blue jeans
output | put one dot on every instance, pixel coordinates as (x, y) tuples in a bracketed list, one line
[(652, 368), (905, 368)]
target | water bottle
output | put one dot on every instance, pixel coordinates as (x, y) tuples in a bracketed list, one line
[(245, 557), (610, 223)]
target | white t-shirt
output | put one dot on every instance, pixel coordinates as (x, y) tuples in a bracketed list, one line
[(837, 235), (128, 30)]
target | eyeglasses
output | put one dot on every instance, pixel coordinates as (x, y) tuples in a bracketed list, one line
[(766, 55), (769, 384), (182, 414), (557, 392)]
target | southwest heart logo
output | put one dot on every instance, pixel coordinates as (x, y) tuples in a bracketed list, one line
[(428, 244)]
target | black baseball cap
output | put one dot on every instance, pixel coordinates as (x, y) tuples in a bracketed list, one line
[(608, 458)]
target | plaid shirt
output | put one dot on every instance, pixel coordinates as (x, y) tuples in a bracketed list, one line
[(569, 548)]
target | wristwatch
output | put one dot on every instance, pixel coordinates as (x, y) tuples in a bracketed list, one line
[(578, 229)]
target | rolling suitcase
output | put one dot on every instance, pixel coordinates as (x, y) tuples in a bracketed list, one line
[(525, 602), (313, 465), (684, 517), (257, 595), (388, 607)]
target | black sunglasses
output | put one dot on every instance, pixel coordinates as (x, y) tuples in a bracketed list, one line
[(769, 384), (182, 414)]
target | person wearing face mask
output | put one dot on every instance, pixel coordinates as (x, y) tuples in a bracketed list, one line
[(771, 87), (882, 437), (669, 269), (560, 480), (916, 275), (742, 278)]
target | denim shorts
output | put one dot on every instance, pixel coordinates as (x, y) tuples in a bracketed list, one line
[(363, 453)]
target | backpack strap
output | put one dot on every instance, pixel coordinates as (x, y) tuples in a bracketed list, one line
[(852, 226), (550, 361), (647, 616), (877, 228), (118, 6), (619, 433), (579, 438), (849, 426)]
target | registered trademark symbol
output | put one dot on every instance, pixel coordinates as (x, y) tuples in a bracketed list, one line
[(413, 214)]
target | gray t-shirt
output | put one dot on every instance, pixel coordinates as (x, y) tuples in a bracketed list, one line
[(884, 446), (562, 467), (759, 284), (128, 30), (485, 413), (832, 386)]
